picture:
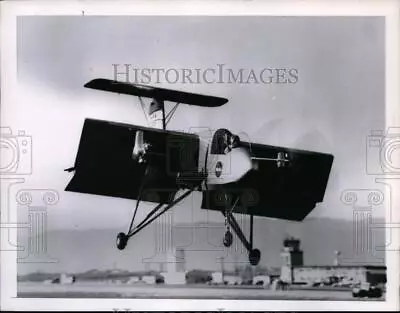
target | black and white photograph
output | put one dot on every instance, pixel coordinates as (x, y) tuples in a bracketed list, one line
[(200, 157)]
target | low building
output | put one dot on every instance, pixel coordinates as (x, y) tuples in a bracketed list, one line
[(226, 278), (149, 279), (64, 280), (174, 278), (293, 271), (232, 279), (217, 277), (264, 280), (339, 275), (133, 280)]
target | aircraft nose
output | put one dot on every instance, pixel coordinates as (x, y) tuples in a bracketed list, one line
[(240, 163), (230, 167)]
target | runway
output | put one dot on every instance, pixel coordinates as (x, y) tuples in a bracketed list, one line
[(109, 290)]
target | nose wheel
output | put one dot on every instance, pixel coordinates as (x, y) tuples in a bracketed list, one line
[(122, 240)]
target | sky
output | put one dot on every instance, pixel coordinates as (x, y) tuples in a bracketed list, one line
[(335, 103)]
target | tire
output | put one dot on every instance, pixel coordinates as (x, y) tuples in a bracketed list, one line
[(228, 239), (122, 240), (254, 257)]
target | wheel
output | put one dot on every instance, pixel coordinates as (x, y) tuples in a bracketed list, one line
[(254, 256), (122, 240), (228, 239)]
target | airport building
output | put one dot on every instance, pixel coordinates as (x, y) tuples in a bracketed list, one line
[(264, 280), (63, 279), (293, 271), (341, 275), (149, 279)]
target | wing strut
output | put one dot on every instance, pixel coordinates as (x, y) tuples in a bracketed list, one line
[(142, 105), (171, 113)]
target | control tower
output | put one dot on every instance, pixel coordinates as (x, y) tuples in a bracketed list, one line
[(291, 256)]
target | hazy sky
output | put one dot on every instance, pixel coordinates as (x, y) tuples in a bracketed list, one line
[(337, 100)]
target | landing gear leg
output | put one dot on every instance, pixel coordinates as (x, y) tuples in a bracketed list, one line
[(228, 237), (254, 254), (122, 238)]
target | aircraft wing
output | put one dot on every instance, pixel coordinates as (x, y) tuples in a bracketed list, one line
[(267, 190), (104, 164), (155, 92)]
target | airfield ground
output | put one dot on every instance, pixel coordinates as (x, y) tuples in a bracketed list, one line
[(92, 290)]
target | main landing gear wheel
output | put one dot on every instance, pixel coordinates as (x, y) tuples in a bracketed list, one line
[(254, 256), (228, 239), (122, 240)]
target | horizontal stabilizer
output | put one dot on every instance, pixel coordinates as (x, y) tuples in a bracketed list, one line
[(155, 93)]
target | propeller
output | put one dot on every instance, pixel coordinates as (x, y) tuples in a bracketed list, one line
[(205, 168)]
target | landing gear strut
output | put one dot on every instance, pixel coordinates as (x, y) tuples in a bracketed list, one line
[(254, 254), (122, 238)]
